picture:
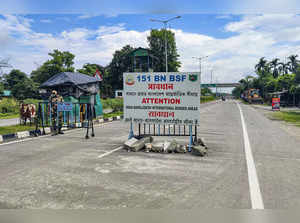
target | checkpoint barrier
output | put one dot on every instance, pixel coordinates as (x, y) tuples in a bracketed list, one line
[(68, 115), (166, 130)]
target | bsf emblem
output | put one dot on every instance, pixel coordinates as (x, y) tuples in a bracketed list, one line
[(193, 77)]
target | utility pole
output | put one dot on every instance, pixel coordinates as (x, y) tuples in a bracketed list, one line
[(165, 23), (200, 68)]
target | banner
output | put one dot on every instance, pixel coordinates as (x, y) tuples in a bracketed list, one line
[(275, 103), (64, 106), (162, 98)]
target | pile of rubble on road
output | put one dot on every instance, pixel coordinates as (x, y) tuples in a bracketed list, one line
[(147, 144)]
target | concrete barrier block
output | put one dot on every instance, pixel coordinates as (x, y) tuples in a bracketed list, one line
[(110, 119), (101, 120), (118, 117), (134, 145), (78, 125), (199, 150), (21, 135), (47, 130), (1, 138)]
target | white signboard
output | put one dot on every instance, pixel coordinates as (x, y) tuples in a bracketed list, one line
[(162, 98)]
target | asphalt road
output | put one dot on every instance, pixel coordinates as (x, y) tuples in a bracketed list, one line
[(68, 171), (8, 122)]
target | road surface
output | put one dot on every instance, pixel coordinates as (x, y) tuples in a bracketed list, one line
[(252, 162), (8, 122)]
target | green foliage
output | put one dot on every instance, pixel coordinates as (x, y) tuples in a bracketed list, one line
[(15, 128), (120, 64), (274, 76), (20, 85), (60, 62), (205, 91), (9, 105), (205, 99), (114, 103), (291, 117), (156, 42)]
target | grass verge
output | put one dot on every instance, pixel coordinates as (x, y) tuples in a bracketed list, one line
[(112, 114), (15, 128), (290, 117), (8, 115), (205, 99)]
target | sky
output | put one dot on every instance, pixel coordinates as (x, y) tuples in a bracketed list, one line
[(232, 35)]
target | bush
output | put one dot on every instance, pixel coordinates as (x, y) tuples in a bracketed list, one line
[(9, 105), (114, 103)]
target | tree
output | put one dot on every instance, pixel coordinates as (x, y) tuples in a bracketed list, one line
[(293, 63), (60, 62), (20, 85), (274, 64), (120, 64), (284, 67), (261, 66), (105, 87), (156, 42)]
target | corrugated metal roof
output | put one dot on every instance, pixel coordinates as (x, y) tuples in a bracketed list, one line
[(67, 78)]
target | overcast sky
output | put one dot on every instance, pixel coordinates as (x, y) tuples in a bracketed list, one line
[(233, 37)]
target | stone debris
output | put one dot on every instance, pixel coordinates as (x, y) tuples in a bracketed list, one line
[(148, 147), (180, 149), (157, 147), (134, 145), (199, 150)]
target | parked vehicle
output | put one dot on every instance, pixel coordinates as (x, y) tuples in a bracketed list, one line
[(252, 96)]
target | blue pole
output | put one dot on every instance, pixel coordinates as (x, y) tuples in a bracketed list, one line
[(64, 117), (158, 129), (131, 131), (191, 138), (50, 114), (57, 118), (43, 113)]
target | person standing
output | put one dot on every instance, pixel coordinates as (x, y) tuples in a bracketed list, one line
[(53, 100)]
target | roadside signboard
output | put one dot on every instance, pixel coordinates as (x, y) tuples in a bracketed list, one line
[(64, 106), (276, 104), (162, 98)]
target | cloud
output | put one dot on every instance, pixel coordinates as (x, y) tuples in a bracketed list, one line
[(272, 35), (46, 21)]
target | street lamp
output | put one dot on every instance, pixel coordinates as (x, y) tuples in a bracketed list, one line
[(165, 22)]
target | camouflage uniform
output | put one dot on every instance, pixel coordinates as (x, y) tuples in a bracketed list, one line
[(53, 100)]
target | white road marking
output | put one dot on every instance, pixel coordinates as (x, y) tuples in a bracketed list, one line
[(255, 193), (110, 152)]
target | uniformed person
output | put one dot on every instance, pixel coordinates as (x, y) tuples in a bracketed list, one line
[(53, 100)]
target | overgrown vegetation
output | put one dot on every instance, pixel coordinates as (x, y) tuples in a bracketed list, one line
[(205, 99), (15, 128), (9, 105), (273, 76), (116, 104), (290, 117)]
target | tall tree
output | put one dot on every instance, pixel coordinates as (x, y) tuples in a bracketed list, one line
[(60, 62), (274, 65), (20, 85), (261, 66), (156, 42), (120, 64), (284, 67), (294, 63)]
